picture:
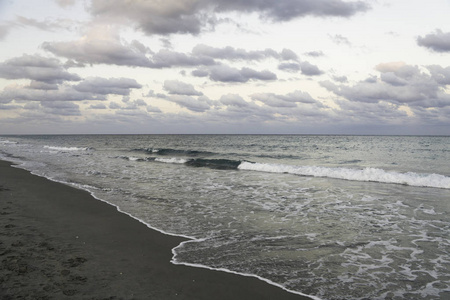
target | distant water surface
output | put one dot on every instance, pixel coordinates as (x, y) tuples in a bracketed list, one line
[(336, 217)]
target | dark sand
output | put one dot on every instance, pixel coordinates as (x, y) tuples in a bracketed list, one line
[(58, 242)]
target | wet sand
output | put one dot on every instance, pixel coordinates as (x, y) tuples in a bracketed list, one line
[(58, 242)]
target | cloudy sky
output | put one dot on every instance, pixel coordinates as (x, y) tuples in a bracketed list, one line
[(225, 66)]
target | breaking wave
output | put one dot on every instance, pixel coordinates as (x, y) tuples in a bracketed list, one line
[(63, 149), (366, 174), (175, 152)]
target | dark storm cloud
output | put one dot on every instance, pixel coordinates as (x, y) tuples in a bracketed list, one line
[(438, 41), (174, 16), (103, 86), (176, 87), (399, 84), (37, 68)]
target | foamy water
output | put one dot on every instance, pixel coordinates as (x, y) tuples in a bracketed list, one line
[(329, 216)]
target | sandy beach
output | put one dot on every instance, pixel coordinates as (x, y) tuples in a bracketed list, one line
[(58, 242)]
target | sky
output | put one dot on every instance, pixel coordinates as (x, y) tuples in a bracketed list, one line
[(225, 66)]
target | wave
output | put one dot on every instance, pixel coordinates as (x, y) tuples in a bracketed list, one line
[(131, 158), (366, 174), (219, 164), (172, 160), (63, 149), (6, 142), (175, 152)]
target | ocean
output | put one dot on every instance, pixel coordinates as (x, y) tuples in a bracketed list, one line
[(335, 217)]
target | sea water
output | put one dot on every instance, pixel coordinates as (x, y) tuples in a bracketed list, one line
[(336, 217)]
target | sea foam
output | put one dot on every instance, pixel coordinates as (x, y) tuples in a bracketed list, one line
[(66, 148), (366, 174)]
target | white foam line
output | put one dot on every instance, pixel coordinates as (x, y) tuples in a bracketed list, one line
[(175, 262), (66, 148), (190, 238)]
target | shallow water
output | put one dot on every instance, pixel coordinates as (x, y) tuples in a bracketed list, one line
[(337, 217)]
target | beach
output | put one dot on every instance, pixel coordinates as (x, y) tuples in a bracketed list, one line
[(58, 242)]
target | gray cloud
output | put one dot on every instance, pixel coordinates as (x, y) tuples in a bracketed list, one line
[(224, 73), (39, 85), (174, 16), (310, 69), (110, 50), (315, 53), (98, 106), (153, 109), (341, 79), (284, 10), (289, 100), (305, 67), (340, 40), (180, 88), (231, 53), (399, 84), (114, 105), (37, 68), (46, 25), (200, 104), (98, 51), (370, 113), (439, 74), (200, 73), (234, 100), (61, 108), (438, 41), (103, 86), (289, 67), (23, 21), (64, 93)]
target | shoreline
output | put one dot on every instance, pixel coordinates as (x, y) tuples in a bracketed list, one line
[(59, 242)]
